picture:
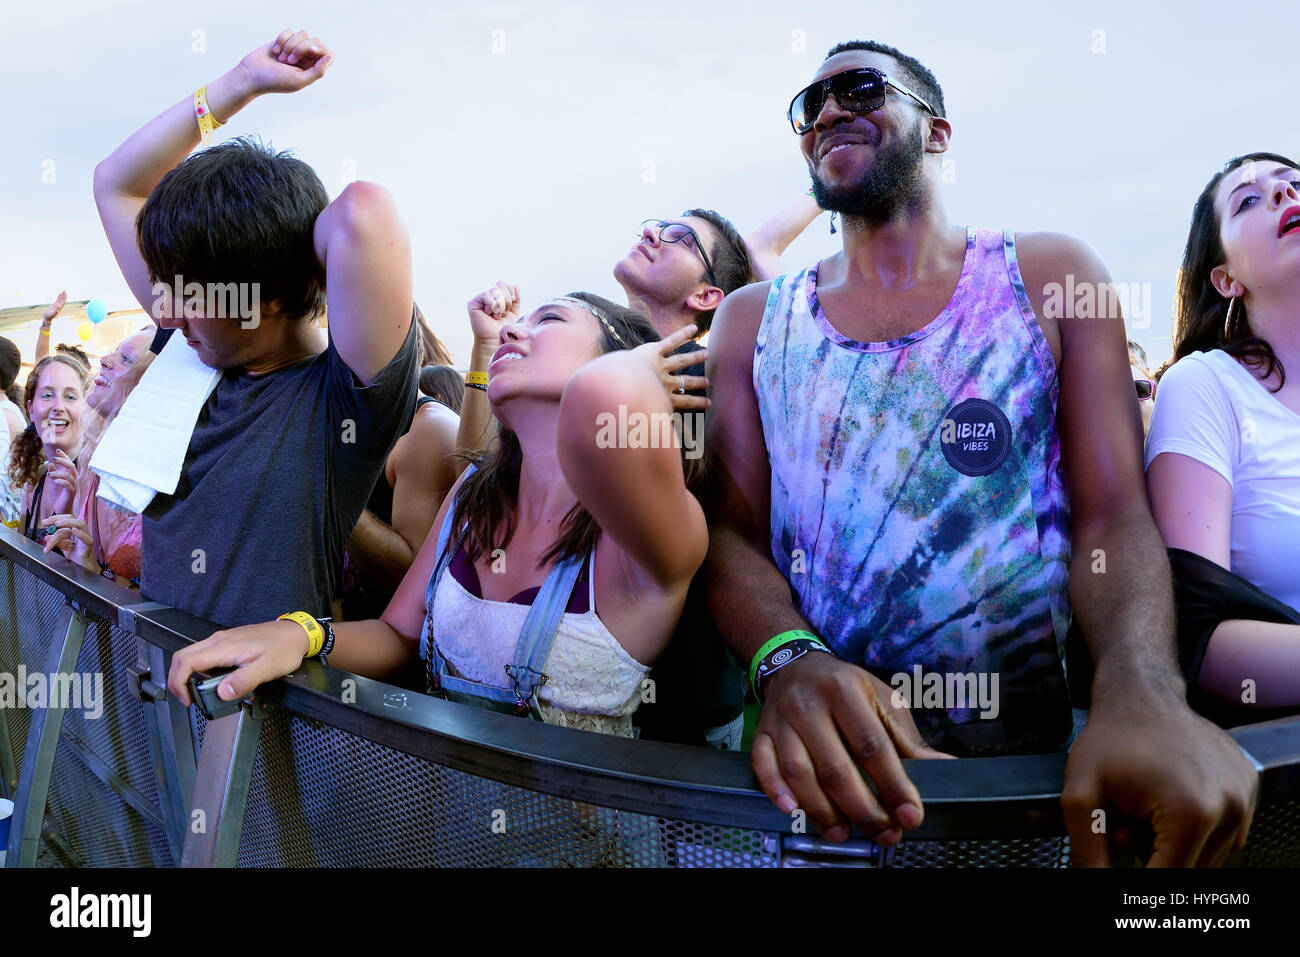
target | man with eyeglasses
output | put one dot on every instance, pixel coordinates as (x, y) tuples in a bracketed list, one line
[(895, 430), (680, 269)]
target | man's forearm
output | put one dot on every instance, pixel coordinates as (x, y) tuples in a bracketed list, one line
[(1122, 595), (749, 598), (135, 167), (770, 240), (776, 235), (380, 551)]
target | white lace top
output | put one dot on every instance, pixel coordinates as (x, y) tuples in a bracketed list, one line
[(592, 682)]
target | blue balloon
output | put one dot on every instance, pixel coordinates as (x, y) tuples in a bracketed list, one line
[(96, 310)]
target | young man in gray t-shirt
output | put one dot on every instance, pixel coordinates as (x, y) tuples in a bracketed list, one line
[(239, 249)]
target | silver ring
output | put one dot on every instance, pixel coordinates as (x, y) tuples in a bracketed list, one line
[(682, 380)]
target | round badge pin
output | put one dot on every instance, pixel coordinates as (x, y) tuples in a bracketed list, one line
[(975, 436)]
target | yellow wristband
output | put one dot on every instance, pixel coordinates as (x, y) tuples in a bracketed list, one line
[(315, 633), (207, 122), (476, 378)]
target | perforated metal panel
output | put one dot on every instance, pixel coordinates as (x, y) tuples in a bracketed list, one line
[(94, 824), (321, 797), (119, 736), (33, 617), (87, 817), (1019, 852), (90, 817), (1274, 837)]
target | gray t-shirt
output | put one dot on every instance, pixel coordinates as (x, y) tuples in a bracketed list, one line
[(278, 470)]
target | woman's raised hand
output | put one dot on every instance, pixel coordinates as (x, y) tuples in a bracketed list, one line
[(492, 309), (669, 368), (55, 307), (62, 475)]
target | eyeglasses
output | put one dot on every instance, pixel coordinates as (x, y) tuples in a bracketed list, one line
[(1146, 389), (675, 233), (858, 91)]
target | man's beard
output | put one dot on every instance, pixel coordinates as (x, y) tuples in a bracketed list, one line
[(890, 186)]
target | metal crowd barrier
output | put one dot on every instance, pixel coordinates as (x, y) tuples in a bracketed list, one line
[(330, 769)]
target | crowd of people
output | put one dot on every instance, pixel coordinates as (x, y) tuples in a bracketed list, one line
[(911, 463)]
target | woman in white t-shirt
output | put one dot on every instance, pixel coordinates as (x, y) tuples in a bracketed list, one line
[(1223, 452)]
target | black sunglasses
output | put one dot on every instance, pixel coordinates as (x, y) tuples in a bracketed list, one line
[(1146, 388), (675, 233), (858, 91)]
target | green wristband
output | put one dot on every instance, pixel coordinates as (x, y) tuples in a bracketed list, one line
[(772, 644)]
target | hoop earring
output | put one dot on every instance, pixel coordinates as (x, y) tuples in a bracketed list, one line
[(1227, 320)]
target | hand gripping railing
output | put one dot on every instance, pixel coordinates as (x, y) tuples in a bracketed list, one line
[(324, 767)]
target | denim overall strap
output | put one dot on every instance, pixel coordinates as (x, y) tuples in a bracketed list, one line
[(531, 650), (538, 634)]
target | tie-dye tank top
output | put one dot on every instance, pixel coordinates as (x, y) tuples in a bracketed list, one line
[(918, 510)]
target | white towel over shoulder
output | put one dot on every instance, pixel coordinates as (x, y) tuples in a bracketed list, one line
[(143, 450)]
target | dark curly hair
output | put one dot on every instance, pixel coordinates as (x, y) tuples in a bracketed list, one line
[(27, 455)]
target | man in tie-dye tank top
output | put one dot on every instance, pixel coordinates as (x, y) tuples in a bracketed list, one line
[(895, 431)]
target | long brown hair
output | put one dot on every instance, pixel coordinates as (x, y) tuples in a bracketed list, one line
[(431, 350), (486, 500), (27, 455), (444, 384), (1200, 310)]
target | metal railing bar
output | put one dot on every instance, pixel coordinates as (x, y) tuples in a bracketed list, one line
[(172, 747), (83, 589), (8, 769), (101, 769), (221, 789), (58, 846), (973, 798)]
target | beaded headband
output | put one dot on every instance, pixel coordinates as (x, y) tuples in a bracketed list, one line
[(599, 315)]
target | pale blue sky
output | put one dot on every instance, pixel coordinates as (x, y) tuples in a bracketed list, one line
[(532, 164)]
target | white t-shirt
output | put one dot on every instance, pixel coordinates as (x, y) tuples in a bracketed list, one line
[(1210, 408), (5, 441), (10, 499)]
